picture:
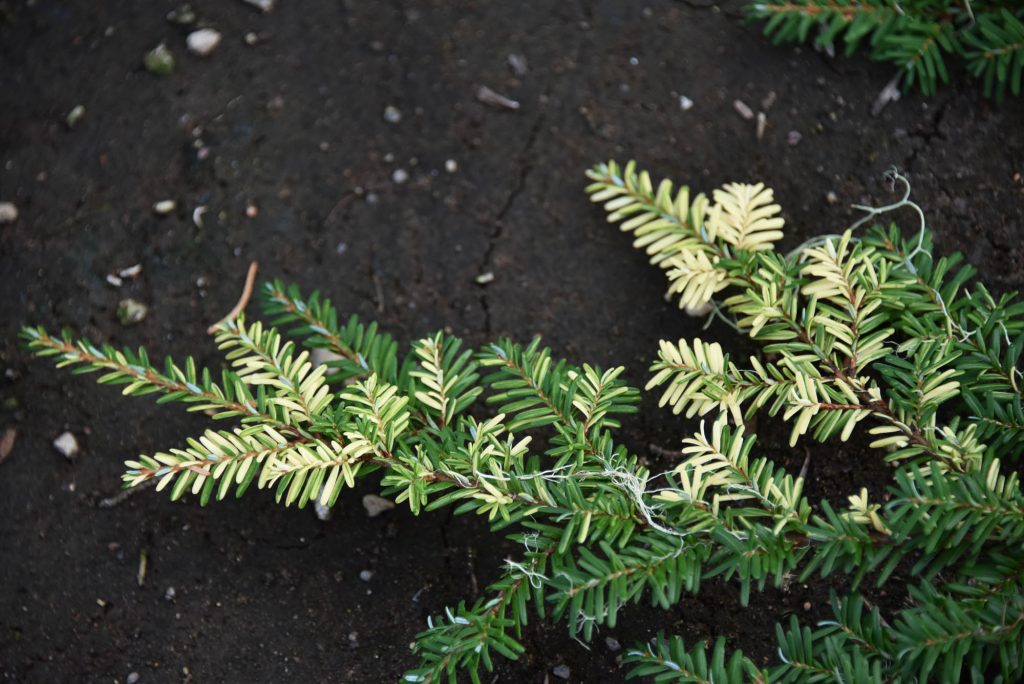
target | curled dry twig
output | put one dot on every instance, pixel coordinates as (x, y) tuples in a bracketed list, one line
[(250, 281)]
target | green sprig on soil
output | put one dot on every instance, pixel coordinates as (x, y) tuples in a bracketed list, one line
[(917, 36), (858, 332)]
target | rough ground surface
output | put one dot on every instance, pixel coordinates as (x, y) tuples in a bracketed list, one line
[(295, 125)]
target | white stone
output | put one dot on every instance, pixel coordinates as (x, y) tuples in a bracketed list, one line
[(400, 176), (203, 42), (743, 109), (699, 311), (320, 357), (685, 103), (67, 445), (164, 207), (323, 512), (451, 166), (265, 5), (8, 213), (75, 115), (392, 114), (375, 505)]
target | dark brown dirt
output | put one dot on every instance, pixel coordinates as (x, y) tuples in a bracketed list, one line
[(294, 125)]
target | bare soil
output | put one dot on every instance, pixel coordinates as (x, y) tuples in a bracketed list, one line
[(294, 126)]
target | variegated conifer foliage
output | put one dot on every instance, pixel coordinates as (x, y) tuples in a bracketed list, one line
[(857, 331), (865, 330)]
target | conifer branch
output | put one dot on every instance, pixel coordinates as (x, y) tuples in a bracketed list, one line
[(859, 328)]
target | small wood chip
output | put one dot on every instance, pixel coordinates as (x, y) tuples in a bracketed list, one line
[(143, 562), (7, 443)]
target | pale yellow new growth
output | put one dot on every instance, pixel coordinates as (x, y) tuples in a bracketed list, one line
[(433, 377), (866, 513), (718, 472), (745, 216), (695, 278), (688, 366)]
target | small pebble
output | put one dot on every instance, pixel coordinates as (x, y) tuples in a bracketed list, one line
[(251, 38), (323, 512), (170, 594), (700, 310), (485, 278), (164, 207), (762, 124), (252, 211), (131, 311), (159, 60), (807, 605), (399, 176), (353, 639), (131, 271), (366, 575), (793, 138), (518, 64), (685, 103), (114, 280), (561, 671), (75, 115), (67, 445), (320, 357), (203, 42), (451, 166), (743, 110), (489, 97), (8, 213), (375, 505), (183, 15), (768, 100), (831, 197), (341, 248), (132, 678), (264, 5), (392, 114), (613, 644)]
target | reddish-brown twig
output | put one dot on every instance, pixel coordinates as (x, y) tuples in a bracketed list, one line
[(250, 280)]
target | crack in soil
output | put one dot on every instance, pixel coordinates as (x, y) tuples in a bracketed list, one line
[(927, 133), (525, 167)]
